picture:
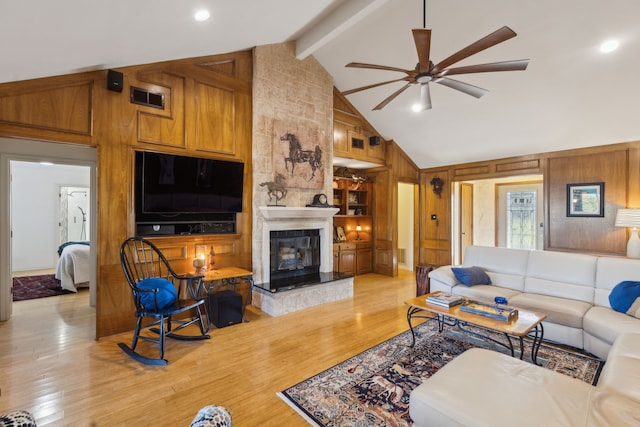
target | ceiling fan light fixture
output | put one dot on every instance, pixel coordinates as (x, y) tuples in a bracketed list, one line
[(609, 46)]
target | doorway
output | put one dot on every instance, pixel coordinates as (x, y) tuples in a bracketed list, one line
[(484, 201), (21, 150), (406, 229)]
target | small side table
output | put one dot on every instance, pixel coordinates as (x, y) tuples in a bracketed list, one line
[(423, 283), (225, 277)]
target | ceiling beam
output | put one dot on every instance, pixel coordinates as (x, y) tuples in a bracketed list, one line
[(347, 14)]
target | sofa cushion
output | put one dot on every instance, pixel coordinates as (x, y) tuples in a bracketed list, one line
[(562, 311), (625, 298), (606, 324), (609, 409), (486, 388), (166, 295), (564, 275), (621, 373), (470, 276)]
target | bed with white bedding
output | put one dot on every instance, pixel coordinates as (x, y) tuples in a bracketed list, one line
[(73, 265)]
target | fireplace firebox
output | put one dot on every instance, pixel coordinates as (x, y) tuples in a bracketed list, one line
[(295, 256)]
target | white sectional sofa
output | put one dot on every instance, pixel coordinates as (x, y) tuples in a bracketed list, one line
[(484, 388), (571, 289)]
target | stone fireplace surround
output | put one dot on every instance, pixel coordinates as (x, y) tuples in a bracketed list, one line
[(272, 218)]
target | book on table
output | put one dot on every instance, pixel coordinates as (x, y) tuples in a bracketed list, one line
[(445, 299)]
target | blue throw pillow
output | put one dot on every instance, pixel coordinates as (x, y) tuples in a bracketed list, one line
[(166, 294), (625, 298), (470, 276)]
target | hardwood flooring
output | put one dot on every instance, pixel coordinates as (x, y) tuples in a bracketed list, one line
[(51, 365)]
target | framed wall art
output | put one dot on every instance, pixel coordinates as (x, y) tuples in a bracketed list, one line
[(586, 200)]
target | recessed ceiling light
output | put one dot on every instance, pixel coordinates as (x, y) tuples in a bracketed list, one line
[(202, 15), (609, 46), (417, 107)]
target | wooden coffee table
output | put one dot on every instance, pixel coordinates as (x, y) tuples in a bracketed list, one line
[(527, 324)]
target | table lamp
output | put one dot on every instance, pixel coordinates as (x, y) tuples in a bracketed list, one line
[(358, 230), (630, 218)]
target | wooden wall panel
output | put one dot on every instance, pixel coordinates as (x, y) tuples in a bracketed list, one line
[(215, 119), (588, 234), (65, 108), (165, 127), (434, 234)]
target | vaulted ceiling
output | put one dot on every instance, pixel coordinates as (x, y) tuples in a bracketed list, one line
[(570, 96)]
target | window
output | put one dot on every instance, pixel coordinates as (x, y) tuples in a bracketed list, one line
[(521, 219)]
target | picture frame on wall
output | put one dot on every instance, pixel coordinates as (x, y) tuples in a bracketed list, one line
[(585, 200)]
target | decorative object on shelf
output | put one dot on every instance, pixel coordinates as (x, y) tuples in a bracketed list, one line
[(630, 218), (340, 236), (358, 230), (298, 155), (319, 201), (585, 199), (276, 189), (437, 184), (353, 198)]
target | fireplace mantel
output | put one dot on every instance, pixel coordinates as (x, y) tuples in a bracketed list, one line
[(284, 212)]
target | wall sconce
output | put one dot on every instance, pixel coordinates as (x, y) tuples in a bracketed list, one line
[(630, 218), (358, 230), (437, 184), (200, 262)]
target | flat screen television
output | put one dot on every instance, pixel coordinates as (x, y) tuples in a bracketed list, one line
[(172, 188)]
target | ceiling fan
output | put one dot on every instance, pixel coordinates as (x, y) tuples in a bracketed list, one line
[(426, 72)]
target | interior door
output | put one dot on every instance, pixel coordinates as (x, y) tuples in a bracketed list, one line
[(466, 218)]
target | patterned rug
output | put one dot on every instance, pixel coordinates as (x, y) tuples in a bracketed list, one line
[(32, 287), (372, 388)]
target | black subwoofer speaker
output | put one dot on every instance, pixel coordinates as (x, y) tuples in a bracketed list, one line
[(225, 308), (115, 80)]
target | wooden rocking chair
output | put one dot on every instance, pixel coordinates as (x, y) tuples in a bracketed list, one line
[(156, 290)]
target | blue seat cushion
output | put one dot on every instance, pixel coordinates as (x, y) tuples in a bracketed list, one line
[(625, 298), (166, 294), (470, 276)]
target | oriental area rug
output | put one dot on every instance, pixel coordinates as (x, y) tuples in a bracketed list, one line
[(32, 287), (373, 387)]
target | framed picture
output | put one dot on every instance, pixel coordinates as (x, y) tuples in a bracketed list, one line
[(585, 199)]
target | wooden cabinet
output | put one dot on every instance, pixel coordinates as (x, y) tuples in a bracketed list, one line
[(364, 257), (353, 257), (344, 258)]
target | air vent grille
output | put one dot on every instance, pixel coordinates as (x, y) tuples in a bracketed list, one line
[(144, 97)]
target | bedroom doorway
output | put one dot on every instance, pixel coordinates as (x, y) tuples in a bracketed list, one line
[(33, 153)]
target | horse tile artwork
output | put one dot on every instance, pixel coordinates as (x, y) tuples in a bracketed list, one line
[(298, 156)]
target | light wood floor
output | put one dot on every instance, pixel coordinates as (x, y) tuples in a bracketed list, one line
[(51, 365)]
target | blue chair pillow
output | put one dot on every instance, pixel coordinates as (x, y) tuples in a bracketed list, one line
[(166, 294), (625, 298), (470, 276)]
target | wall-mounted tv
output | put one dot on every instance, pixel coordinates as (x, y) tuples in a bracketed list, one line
[(172, 188)]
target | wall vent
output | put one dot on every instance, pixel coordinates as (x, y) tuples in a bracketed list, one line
[(402, 256), (144, 97)]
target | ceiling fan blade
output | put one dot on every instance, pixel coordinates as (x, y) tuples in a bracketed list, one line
[(498, 36), (391, 97), (472, 90), (516, 65), (358, 89), (376, 67), (425, 97), (422, 39)]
